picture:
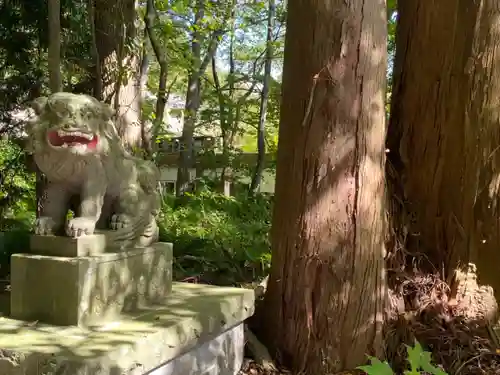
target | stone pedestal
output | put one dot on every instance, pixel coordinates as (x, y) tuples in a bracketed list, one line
[(198, 331), (75, 282)]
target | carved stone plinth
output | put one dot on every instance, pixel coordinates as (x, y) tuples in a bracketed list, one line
[(68, 247), (88, 290)]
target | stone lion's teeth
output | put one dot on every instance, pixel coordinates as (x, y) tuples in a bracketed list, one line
[(64, 133)]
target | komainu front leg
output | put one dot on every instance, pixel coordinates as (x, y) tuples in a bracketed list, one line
[(54, 208), (92, 200)]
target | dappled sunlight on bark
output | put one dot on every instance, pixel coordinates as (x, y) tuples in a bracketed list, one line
[(327, 289), (443, 135)]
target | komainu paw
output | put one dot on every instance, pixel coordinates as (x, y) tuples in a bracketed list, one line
[(80, 226), (45, 225)]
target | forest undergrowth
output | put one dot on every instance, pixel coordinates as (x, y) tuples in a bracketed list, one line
[(458, 333), (452, 319)]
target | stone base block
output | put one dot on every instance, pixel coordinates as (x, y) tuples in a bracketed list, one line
[(92, 290), (198, 331), (60, 246)]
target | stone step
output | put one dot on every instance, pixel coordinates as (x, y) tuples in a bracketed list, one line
[(197, 332)]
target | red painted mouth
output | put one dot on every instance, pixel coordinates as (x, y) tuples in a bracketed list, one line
[(71, 139)]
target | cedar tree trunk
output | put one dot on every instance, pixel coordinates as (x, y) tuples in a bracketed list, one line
[(444, 135), (327, 291), (119, 64)]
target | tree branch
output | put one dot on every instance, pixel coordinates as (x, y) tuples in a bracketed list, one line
[(161, 56), (212, 48)]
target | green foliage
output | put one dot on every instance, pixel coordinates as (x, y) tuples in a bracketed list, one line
[(15, 240), (17, 186), (17, 202), (377, 367), (23, 52), (418, 358), (217, 238), (391, 49)]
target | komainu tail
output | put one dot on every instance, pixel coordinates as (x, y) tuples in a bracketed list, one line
[(142, 232)]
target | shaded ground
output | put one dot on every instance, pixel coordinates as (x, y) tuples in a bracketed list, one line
[(456, 324), (251, 368), (4, 297)]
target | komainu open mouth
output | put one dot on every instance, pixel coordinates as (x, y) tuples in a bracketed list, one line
[(63, 138)]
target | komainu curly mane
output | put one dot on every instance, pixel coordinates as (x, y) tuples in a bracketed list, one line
[(75, 144)]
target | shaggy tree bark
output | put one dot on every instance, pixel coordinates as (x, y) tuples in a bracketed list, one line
[(327, 292), (444, 138), (119, 64)]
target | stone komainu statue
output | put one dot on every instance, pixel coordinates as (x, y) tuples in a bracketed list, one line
[(75, 144)]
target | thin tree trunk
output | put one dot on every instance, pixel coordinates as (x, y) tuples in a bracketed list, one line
[(223, 121), (229, 123), (261, 135), (54, 54), (443, 133), (326, 293), (146, 136), (97, 90), (161, 56), (222, 101), (55, 81), (192, 105), (193, 95)]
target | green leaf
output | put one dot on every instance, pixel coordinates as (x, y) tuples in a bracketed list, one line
[(414, 356), (427, 366), (376, 367)]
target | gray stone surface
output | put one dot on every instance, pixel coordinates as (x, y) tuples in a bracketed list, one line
[(60, 246), (154, 339), (89, 290), (221, 355)]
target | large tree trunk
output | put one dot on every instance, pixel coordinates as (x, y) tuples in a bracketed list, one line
[(444, 135), (327, 293), (119, 64)]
